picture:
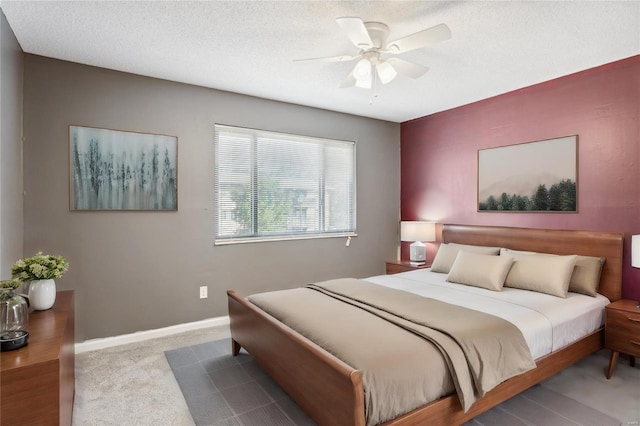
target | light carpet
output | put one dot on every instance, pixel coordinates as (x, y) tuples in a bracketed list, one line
[(220, 389)]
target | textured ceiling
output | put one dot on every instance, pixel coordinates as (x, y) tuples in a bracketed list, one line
[(249, 47)]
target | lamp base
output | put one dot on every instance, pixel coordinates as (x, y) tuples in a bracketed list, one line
[(418, 252)]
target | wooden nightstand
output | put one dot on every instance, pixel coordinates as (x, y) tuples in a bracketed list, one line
[(622, 331), (396, 266)]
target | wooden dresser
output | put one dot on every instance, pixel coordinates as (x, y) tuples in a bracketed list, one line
[(37, 382)]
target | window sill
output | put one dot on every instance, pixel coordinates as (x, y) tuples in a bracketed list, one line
[(222, 242)]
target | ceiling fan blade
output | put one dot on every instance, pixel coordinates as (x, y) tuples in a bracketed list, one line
[(407, 68), (356, 31), (420, 39), (342, 58)]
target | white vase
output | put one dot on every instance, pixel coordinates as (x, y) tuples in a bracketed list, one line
[(42, 294)]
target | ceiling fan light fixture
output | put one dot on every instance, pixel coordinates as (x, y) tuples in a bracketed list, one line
[(386, 72), (371, 40), (362, 69), (392, 48), (364, 83)]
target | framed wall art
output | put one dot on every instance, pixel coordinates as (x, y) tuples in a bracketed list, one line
[(121, 170), (537, 176)]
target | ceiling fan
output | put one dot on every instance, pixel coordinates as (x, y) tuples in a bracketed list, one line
[(375, 57)]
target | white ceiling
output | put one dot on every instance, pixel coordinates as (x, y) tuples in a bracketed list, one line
[(249, 46)]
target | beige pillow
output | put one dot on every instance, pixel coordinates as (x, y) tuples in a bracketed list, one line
[(515, 253), (480, 270), (447, 253), (541, 273), (586, 274)]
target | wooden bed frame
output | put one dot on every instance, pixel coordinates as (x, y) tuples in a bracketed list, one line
[(331, 391)]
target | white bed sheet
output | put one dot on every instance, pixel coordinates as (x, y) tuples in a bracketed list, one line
[(547, 323)]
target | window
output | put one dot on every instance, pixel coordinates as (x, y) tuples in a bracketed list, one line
[(278, 186)]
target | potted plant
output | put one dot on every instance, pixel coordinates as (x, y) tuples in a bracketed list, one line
[(40, 271), (7, 288)]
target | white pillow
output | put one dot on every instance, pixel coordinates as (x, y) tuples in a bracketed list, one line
[(586, 274), (480, 270), (447, 253), (541, 273)]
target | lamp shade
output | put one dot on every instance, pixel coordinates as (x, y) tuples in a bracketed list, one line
[(386, 72), (635, 251), (419, 231), (363, 73)]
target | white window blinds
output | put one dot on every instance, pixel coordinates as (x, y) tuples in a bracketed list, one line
[(279, 186)]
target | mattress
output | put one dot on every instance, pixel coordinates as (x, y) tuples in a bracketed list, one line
[(547, 322)]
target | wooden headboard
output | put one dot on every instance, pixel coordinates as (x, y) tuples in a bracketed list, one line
[(587, 243)]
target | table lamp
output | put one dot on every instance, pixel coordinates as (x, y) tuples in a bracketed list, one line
[(418, 232)]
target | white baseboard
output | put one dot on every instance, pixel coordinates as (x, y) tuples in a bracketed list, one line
[(140, 336)]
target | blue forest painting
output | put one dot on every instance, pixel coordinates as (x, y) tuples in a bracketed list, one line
[(119, 170)]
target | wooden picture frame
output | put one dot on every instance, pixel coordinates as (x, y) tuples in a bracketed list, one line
[(122, 170), (539, 176)]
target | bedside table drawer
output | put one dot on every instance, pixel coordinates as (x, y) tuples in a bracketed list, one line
[(622, 331), (623, 342), (622, 321), (395, 269), (397, 266)]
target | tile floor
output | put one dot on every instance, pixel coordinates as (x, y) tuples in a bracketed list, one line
[(134, 385)]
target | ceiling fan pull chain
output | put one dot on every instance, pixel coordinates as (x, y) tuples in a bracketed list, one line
[(375, 86)]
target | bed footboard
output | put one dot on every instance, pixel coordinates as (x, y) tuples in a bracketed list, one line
[(328, 389)]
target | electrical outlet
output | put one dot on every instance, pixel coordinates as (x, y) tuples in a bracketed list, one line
[(203, 292)]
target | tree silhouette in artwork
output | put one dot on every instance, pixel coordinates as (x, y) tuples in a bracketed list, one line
[(113, 175), (541, 198), (561, 196)]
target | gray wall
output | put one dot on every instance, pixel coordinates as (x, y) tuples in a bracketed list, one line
[(11, 71), (142, 270)]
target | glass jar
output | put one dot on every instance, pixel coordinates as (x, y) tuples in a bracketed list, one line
[(14, 312)]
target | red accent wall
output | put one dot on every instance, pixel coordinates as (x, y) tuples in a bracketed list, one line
[(601, 105)]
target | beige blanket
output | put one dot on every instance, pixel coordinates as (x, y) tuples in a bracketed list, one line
[(411, 351)]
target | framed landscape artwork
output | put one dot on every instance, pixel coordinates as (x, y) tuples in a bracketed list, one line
[(120, 170), (529, 177)]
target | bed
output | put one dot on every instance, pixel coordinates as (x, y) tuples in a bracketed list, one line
[(332, 392)]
